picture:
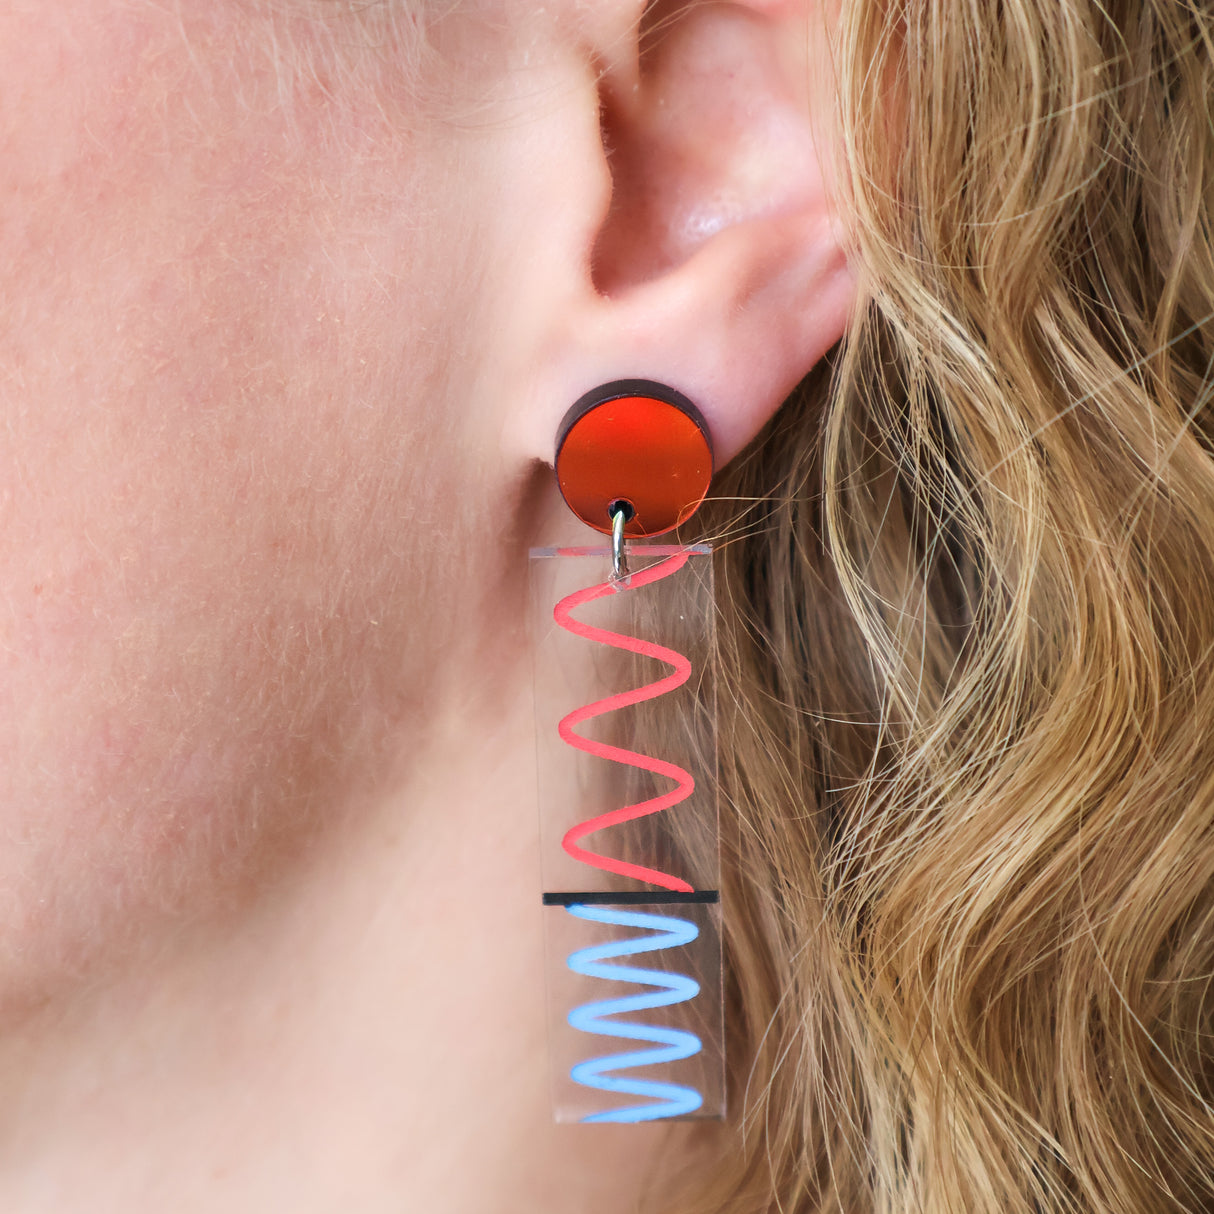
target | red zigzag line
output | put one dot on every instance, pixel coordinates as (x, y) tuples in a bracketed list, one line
[(651, 691)]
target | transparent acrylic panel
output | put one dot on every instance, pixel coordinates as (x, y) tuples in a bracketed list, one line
[(605, 974), (676, 727), (626, 712)]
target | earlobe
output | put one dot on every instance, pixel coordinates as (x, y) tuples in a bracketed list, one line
[(720, 268)]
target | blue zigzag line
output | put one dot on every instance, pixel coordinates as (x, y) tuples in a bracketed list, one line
[(672, 1045)]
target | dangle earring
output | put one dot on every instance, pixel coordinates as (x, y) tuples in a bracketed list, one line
[(626, 714)]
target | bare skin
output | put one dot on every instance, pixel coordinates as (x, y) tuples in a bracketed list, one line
[(290, 315)]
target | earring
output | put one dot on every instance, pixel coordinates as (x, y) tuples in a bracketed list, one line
[(638, 443), (633, 460)]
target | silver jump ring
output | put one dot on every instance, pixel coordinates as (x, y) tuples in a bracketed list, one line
[(619, 551)]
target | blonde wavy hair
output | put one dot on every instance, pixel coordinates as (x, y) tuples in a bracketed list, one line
[(967, 641)]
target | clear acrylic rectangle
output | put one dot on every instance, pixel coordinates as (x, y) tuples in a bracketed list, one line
[(689, 1086), (660, 865)]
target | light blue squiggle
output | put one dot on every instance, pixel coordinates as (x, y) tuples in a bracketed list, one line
[(672, 1045)]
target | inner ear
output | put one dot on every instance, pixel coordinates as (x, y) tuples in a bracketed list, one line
[(712, 133)]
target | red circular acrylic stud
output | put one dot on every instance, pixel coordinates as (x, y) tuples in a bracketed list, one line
[(636, 443)]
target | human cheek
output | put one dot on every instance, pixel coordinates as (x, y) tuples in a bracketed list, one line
[(212, 338)]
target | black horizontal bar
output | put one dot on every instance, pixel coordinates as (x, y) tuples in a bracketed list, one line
[(664, 897)]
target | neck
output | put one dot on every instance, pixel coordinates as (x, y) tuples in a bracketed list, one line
[(370, 1037)]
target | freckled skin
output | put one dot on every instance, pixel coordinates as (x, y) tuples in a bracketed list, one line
[(266, 777), (229, 414)]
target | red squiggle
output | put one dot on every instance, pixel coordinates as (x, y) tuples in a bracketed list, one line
[(680, 674)]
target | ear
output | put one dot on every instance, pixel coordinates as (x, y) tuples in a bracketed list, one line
[(719, 265)]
